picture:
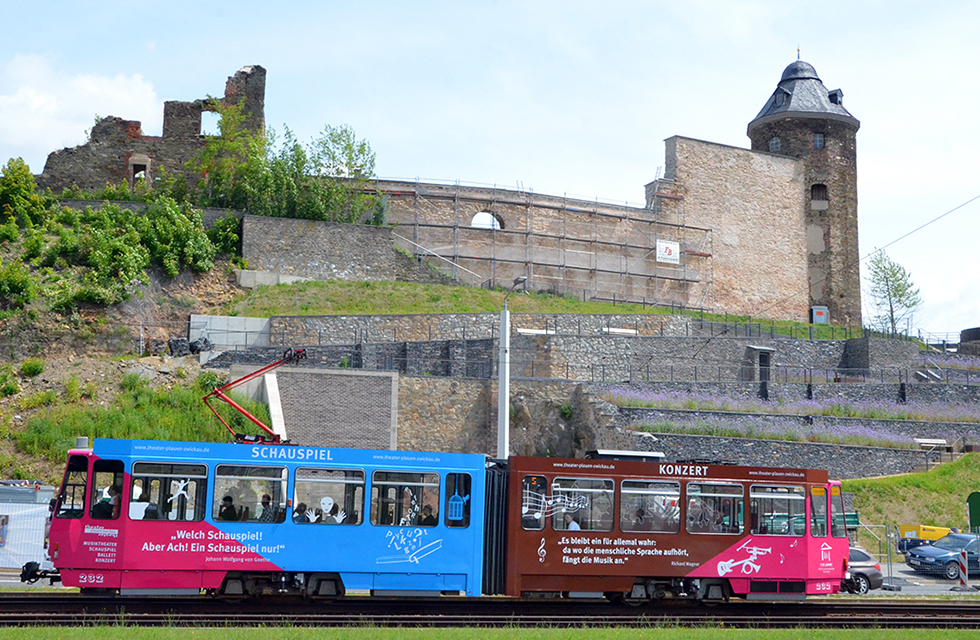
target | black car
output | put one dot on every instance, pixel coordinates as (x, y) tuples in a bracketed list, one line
[(863, 572), (943, 556)]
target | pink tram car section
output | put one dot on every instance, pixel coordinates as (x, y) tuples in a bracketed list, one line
[(160, 555), (600, 554)]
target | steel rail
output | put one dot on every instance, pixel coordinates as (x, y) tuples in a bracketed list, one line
[(74, 610)]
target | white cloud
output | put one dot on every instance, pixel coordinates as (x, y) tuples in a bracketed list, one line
[(43, 109)]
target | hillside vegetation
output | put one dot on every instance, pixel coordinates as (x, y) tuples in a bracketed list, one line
[(936, 497)]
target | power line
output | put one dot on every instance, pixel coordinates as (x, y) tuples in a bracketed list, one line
[(786, 298)]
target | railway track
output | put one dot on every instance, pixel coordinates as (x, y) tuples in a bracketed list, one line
[(73, 610)]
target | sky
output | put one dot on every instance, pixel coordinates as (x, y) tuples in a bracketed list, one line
[(562, 98)]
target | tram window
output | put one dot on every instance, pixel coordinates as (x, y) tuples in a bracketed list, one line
[(71, 500), (650, 506), (777, 511), (174, 492), (534, 502), (457, 500), (582, 503), (838, 527), (398, 499), (715, 508), (818, 512), (328, 496), (249, 494), (107, 477)]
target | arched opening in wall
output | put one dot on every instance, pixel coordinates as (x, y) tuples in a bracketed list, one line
[(774, 145), (209, 123), (818, 197), (487, 220)]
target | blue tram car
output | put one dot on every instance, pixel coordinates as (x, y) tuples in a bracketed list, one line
[(174, 518)]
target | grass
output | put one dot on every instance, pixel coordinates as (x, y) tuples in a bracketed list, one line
[(371, 298), (138, 412), (375, 633), (375, 298), (936, 497)]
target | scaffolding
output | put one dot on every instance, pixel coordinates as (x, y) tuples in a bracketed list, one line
[(591, 250)]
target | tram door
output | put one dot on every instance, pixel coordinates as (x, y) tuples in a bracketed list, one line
[(88, 508)]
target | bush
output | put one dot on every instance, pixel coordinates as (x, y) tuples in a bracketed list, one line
[(133, 382), (32, 367), (39, 399), (225, 235), (17, 287), (176, 238), (73, 390), (9, 231), (9, 388), (207, 381)]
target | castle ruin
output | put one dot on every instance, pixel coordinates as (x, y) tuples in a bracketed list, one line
[(769, 231), (117, 151)]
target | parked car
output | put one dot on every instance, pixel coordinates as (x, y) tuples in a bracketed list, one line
[(943, 556), (863, 572)]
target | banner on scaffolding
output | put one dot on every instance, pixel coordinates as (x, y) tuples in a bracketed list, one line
[(669, 252)]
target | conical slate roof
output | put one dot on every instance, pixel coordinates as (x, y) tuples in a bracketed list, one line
[(801, 94)]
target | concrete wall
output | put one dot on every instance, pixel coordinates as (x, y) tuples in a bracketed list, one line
[(230, 332), (753, 204)]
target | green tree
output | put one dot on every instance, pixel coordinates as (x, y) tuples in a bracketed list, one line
[(19, 199), (894, 295), (231, 166), (327, 179)]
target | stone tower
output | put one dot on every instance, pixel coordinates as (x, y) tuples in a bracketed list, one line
[(805, 121)]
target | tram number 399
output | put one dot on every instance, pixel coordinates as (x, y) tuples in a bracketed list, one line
[(91, 578), (824, 586)]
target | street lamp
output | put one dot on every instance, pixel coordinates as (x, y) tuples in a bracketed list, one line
[(503, 374)]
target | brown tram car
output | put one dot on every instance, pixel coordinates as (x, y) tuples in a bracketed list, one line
[(639, 531)]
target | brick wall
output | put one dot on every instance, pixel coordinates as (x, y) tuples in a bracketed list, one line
[(356, 409)]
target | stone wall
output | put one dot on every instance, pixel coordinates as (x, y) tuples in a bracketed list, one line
[(328, 251), (831, 224), (551, 418), (445, 358), (461, 415), (753, 203), (841, 461), (324, 330), (439, 414)]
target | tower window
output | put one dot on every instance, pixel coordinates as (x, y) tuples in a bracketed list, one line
[(818, 192), (774, 145), (818, 141)]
